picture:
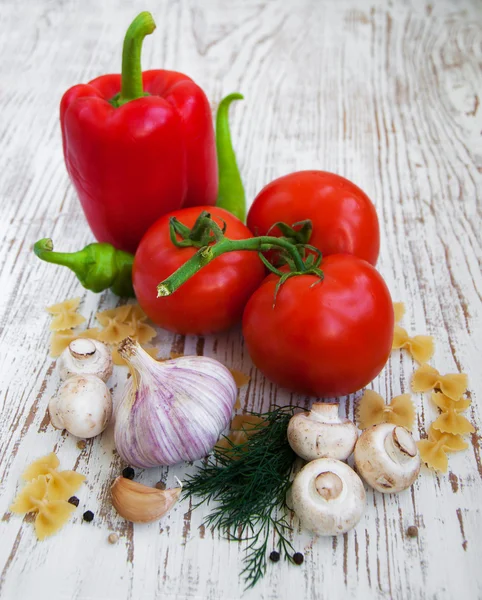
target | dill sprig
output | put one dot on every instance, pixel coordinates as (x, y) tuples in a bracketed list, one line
[(249, 482)]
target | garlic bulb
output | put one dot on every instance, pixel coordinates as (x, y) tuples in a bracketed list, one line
[(171, 411)]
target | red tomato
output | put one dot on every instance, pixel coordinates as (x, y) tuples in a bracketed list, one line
[(214, 298), (327, 339), (344, 218)]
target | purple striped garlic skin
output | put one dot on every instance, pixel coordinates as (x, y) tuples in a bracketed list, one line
[(172, 411)]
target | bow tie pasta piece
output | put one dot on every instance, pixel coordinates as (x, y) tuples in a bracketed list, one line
[(398, 311), (119, 314), (137, 313), (114, 332), (62, 485), (427, 378), (42, 466), (421, 347), (433, 450), (59, 340), (65, 315), (143, 333), (450, 421), (30, 496), (241, 379), (51, 517), (372, 410)]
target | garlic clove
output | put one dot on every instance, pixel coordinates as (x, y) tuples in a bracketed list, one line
[(85, 356), (140, 503)]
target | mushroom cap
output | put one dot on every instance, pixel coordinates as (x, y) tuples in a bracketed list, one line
[(322, 433), (85, 356), (328, 497), (82, 406), (387, 458)]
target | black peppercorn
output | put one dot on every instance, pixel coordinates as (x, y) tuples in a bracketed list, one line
[(274, 556), (88, 516), (73, 500), (298, 558), (128, 473), (412, 531)]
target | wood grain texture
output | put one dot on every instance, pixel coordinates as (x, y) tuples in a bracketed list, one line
[(384, 93)]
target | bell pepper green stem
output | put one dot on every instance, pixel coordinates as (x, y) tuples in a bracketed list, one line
[(207, 254), (131, 86), (98, 266), (231, 194)]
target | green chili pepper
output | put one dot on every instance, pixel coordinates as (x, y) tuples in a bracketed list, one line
[(97, 266), (231, 194)]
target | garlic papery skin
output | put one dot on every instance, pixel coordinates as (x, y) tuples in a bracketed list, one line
[(171, 411), (387, 458), (328, 497), (82, 406), (322, 433), (85, 356)]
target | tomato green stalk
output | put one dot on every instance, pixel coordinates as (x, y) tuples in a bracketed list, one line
[(97, 266), (131, 82), (208, 253), (231, 194)]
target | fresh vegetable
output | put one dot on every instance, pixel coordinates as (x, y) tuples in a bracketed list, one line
[(140, 503), (214, 299), (322, 433), (85, 356), (322, 338), (171, 411), (82, 406), (231, 194), (328, 497), (98, 266), (343, 217), (248, 482), (138, 145), (387, 458)]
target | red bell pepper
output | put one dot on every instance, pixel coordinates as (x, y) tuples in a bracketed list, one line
[(138, 145)]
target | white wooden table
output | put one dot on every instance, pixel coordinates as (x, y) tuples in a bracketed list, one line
[(384, 93)]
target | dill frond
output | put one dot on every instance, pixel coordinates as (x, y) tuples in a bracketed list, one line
[(249, 482)]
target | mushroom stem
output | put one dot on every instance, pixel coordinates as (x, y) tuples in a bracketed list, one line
[(329, 485), (82, 349), (400, 445), (325, 412)]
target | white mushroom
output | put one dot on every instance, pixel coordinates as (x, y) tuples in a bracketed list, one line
[(328, 497), (83, 406), (322, 433), (387, 458), (85, 356)]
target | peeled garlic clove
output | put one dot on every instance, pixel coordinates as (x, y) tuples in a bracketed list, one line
[(85, 356), (140, 503)]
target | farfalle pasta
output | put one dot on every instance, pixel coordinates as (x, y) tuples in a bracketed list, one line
[(115, 328), (450, 421), (420, 347), (240, 378), (427, 378), (398, 311), (372, 410), (59, 340), (433, 451), (46, 494), (65, 315)]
